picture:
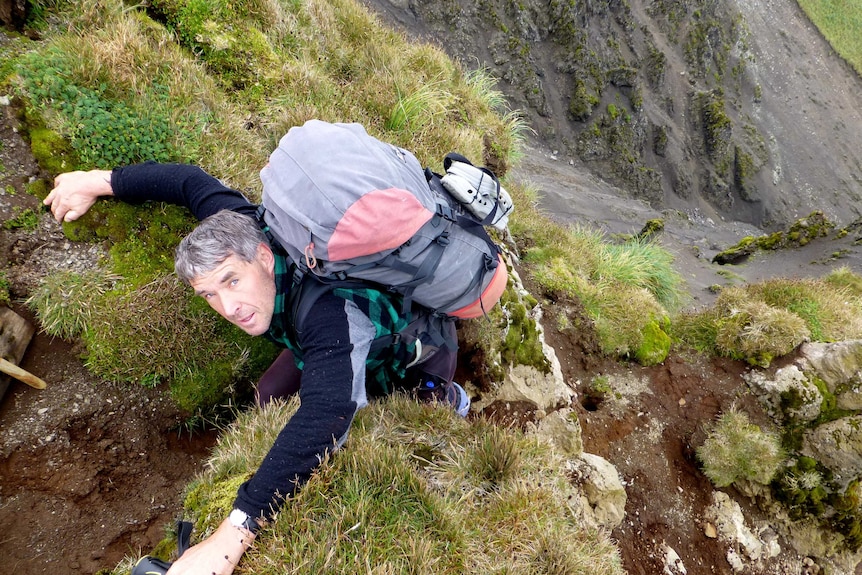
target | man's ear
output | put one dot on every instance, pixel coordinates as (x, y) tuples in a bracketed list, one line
[(266, 257)]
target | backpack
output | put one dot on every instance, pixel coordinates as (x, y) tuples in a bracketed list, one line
[(346, 206)]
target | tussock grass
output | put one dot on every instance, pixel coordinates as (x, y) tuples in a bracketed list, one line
[(736, 449), (66, 302), (416, 490), (762, 321), (188, 346), (628, 289)]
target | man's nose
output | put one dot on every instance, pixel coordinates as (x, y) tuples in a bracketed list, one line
[(230, 305)]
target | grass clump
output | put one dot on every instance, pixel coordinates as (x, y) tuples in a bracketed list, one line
[(759, 322), (416, 489), (206, 355), (736, 449), (627, 289), (66, 302)]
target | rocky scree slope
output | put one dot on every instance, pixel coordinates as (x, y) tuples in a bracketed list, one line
[(732, 110)]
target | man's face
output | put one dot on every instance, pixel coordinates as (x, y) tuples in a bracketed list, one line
[(242, 292)]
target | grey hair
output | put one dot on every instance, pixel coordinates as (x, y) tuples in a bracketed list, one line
[(217, 237)]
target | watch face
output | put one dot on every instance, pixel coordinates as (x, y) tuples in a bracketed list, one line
[(238, 518)]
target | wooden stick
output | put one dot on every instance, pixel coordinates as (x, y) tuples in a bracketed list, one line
[(10, 368)]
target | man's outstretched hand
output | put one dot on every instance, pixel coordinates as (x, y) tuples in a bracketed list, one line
[(75, 192), (216, 555)]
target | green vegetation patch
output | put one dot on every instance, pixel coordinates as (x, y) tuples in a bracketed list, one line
[(5, 296), (217, 84), (839, 22), (736, 449), (104, 132), (800, 233), (25, 219), (759, 322), (415, 489), (626, 288)]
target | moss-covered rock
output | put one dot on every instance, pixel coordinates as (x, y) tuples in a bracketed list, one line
[(737, 253), (800, 233), (655, 344), (52, 151)]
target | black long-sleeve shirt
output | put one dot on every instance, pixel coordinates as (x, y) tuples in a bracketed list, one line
[(335, 344)]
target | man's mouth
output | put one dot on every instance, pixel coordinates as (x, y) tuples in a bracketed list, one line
[(245, 320)]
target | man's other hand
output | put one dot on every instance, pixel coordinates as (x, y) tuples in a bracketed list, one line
[(216, 555), (75, 192)]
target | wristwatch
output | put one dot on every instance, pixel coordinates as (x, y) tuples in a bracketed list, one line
[(241, 519)]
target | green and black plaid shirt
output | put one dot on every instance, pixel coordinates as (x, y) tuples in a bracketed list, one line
[(385, 364)]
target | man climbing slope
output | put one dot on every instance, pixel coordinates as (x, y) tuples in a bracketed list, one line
[(346, 345)]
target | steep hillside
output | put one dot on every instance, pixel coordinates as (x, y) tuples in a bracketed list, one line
[(731, 110)]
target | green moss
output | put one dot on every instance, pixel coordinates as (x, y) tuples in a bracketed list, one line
[(743, 169), (651, 228), (204, 386), (829, 410), (771, 241), (659, 142), (39, 188), (800, 233), (801, 488), (791, 399), (735, 254), (206, 500), (655, 344), (25, 219), (521, 345), (582, 102), (815, 225), (51, 151), (716, 124), (5, 298)]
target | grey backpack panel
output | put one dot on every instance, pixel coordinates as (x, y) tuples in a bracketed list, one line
[(333, 189)]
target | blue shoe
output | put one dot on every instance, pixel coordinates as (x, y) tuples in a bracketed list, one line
[(459, 399)]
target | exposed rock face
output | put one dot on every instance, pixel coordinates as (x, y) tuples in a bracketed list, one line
[(820, 396), (839, 365), (730, 522), (788, 382), (838, 446), (563, 430), (603, 492), (13, 12), (823, 391), (548, 391)]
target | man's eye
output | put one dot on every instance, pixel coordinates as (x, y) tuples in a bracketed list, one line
[(234, 281)]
